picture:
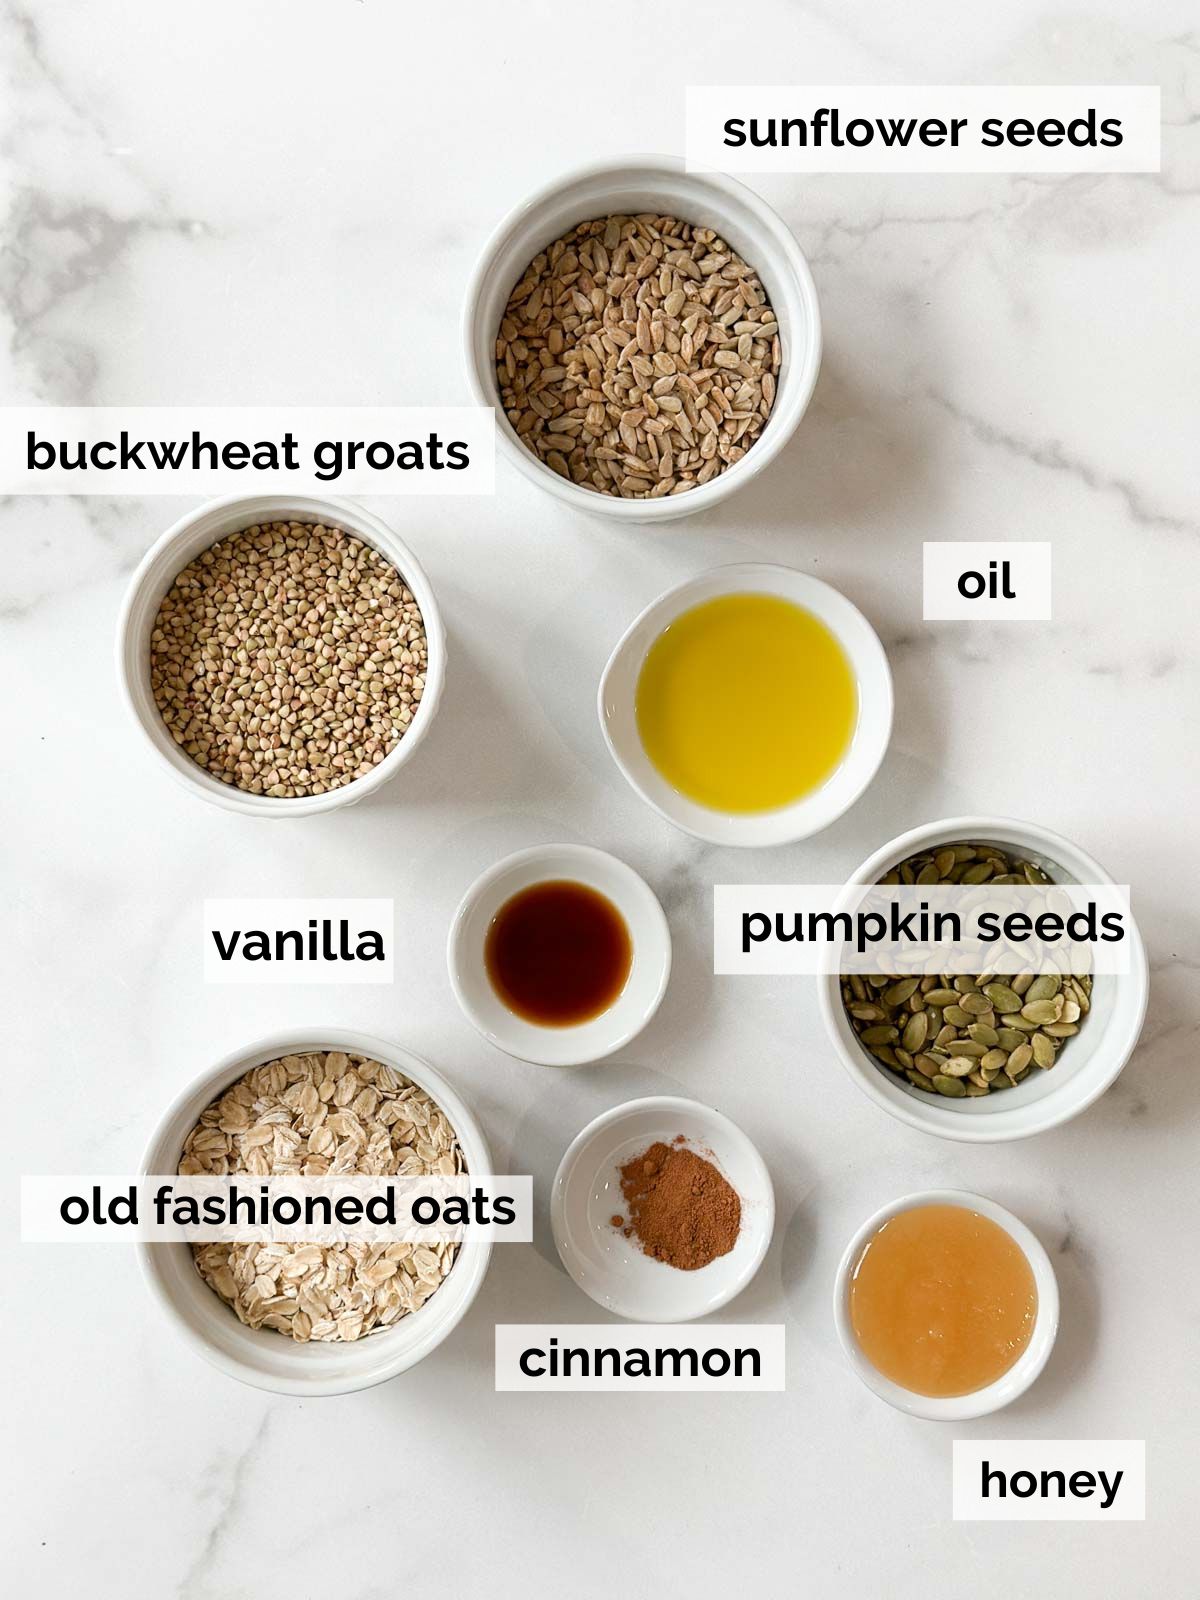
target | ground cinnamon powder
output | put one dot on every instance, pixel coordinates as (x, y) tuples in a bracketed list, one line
[(681, 1210)]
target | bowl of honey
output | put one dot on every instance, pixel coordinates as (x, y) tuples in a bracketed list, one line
[(946, 1305), (559, 954), (749, 706)]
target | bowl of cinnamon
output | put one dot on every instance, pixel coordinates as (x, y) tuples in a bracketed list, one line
[(662, 1210)]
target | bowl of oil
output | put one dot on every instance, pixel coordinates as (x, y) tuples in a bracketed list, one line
[(749, 706)]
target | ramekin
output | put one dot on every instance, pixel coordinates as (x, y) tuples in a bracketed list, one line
[(1086, 1066), (182, 542), (616, 704), (1024, 1371), (269, 1360), (626, 185), (624, 1019)]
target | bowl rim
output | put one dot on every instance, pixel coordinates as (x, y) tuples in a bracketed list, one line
[(1025, 1370), (1020, 1120), (474, 1254), (356, 519), (800, 383), (730, 1130), (583, 853), (872, 660)]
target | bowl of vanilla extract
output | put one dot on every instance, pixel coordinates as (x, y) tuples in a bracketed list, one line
[(559, 954)]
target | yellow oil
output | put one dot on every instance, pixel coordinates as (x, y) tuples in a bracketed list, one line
[(746, 703)]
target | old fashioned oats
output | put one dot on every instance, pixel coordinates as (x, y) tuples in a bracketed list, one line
[(638, 356), (325, 1112)]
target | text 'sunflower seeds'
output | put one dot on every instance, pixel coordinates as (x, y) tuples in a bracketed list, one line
[(288, 659), (638, 356)]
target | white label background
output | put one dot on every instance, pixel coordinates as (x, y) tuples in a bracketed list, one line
[(1137, 107), (1029, 565), (272, 915), (512, 1339), (475, 426), (1050, 1455)]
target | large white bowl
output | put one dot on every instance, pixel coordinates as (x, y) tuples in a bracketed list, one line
[(615, 1271), (626, 185), (270, 1360), (555, 1046), (617, 706), (1087, 1064), (181, 543), (1023, 1372)]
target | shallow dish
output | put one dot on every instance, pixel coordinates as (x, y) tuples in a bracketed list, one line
[(585, 1041), (181, 543), (1087, 1065), (270, 1360), (626, 185), (955, 1408), (613, 1270), (617, 699)]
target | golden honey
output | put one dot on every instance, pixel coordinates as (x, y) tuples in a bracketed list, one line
[(746, 703), (942, 1300)]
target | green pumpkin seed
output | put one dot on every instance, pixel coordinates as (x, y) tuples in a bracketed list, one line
[(954, 1088), (1002, 997), (1044, 987), (993, 1061), (982, 1034), (957, 1067), (1021, 982), (916, 1031), (1043, 1050), (1002, 1081), (974, 1090), (1009, 1038), (1020, 1058), (944, 861), (926, 1066), (1042, 1011), (959, 1017), (882, 1033), (1062, 1030), (942, 997), (977, 1004), (968, 1047), (898, 993), (918, 1082)]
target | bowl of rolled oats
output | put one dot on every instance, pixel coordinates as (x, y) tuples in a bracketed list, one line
[(648, 337), (283, 655), (297, 1317)]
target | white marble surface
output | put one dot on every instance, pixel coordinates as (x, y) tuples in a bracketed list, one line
[(280, 202)]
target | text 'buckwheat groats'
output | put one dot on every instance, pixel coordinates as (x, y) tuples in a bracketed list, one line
[(311, 1115), (638, 356), (288, 659)]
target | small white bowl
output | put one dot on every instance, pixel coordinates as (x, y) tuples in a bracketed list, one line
[(615, 1271), (626, 185), (269, 1360), (617, 706), (980, 1403), (1088, 1063), (585, 1041), (159, 568)]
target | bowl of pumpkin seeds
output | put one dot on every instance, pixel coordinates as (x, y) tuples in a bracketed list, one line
[(984, 1056)]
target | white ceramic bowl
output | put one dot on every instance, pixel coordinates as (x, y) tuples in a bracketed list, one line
[(268, 1360), (957, 1408), (617, 699), (625, 185), (615, 1271), (1087, 1064), (181, 543), (586, 1041)]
